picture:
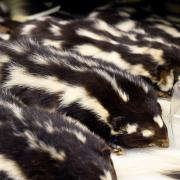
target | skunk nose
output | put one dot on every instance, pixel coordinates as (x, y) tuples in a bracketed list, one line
[(164, 143)]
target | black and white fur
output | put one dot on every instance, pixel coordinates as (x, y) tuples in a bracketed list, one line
[(144, 50), (38, 145), (119, 107)]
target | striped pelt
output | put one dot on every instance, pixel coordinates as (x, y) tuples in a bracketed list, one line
[(119, 107), (38, 145), (143, 45)]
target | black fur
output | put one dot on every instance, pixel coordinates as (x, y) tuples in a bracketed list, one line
[(45, 146), (94, 92), (148, 63)]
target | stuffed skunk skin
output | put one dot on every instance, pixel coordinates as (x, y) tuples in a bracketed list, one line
[(149, 48), (38, 145), (119, 107)]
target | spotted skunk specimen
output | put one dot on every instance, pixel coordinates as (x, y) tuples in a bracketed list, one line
[(121, 108), (38, 145), (136, 51)]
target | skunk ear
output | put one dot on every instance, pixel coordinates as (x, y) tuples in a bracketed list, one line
[(117, 122)]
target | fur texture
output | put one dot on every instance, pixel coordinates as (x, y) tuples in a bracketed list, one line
[(147, 47), (112, 103), (37, 145)]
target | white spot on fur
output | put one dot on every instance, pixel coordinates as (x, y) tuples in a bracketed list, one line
[(4, 59), (39, 59), (11, 168), (80, 136), (76, 133), (92, 35), (76, 123), (157, 39), (156, 54), (35, 143), (53, 85), (63, 22), (49, 127), (4, 36), (55, 30), (139, 30), (26, 30), (112, 57), (93, 15), (47, 83), (159, 121), (131, 128), (124, 14), (17, 47), (14, 108), (124, 96), (145, 87), (101, 25), (147, 133), (72, 94), (156, 19), (169, 82), (53, 43), (126, 26), (169, 30)]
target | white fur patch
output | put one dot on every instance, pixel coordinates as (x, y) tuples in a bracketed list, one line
[(157, 39), (49, 127), (93, 15), (35, 143), (147, 133), (53, 43), (92, 35), (14, 108), (112, 57), (53, 85), (126, 26), (55, 30), (101, 25), (26, 30), (159, 121), (169, 30), (106, 176), (169, 82), (11, 168), (4, 59), (139, 30), (77, 134), (38, 59), (80, 136), (131, 128), (72, 94), (156, 54), (123, 95), (18, 48), (124, 14)]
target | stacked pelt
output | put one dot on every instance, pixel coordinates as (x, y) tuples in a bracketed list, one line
[(74, 90), (133, 39)]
